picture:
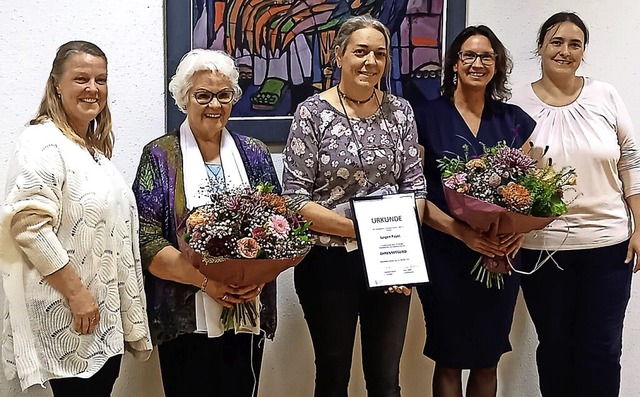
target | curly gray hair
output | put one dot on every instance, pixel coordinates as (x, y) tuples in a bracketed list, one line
[(195, 61)]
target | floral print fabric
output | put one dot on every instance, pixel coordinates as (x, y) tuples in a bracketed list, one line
[(329, 159)]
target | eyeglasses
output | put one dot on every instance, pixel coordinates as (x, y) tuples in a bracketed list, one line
[(469, 57), (204, 97)]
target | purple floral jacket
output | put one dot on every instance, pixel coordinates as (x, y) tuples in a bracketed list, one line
[(159, 191)]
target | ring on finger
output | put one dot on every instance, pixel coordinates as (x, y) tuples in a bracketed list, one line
[(92, 320), (224, 297)]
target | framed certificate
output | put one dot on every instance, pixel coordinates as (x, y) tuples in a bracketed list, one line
[(388, 233)]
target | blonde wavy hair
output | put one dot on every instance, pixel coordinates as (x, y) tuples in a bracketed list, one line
[(100, 135)]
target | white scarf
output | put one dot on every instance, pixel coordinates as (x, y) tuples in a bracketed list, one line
[(196, 181)]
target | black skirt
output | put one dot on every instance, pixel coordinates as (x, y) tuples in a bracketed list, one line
[(467, 323)]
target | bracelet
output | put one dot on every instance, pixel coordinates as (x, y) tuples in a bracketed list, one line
[(203, 287)]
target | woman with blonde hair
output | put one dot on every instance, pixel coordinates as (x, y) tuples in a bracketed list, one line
[(70, 257)]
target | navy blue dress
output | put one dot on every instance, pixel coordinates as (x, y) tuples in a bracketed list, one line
[(468, 324)]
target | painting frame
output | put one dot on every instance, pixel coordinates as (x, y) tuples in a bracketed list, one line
[(270, 129)]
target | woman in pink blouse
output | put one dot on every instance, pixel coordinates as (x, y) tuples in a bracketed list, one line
[(577, 300)]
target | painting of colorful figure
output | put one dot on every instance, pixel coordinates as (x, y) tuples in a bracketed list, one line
[(283, 47)]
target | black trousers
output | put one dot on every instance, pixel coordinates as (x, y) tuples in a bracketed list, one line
[(195, 365), (578, 313), (99, 385), (330, 284)]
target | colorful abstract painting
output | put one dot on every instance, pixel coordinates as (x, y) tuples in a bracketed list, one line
[(283, 47)]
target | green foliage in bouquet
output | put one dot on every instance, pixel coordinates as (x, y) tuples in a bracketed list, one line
[(510, 178)]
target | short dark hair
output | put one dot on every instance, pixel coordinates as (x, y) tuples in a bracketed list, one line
[(497, 88), (561, 17)]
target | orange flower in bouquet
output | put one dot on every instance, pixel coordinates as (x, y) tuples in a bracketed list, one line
[(244, 237), (503, 191)]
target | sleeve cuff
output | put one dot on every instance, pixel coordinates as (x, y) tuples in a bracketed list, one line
[(40, 244)]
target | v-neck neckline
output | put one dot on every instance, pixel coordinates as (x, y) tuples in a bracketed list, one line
[(464, 122)]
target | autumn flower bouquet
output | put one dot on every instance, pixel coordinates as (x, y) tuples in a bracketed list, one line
[(244, 237), (503, 191)]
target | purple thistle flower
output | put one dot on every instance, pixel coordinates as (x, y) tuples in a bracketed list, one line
[(514, 159), (233, 203)]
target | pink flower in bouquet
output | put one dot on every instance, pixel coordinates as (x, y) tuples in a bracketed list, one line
[(248, 247), (259, 233), (279, 225), (456, 180)]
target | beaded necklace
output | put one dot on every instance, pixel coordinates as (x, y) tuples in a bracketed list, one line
[(342, 95)]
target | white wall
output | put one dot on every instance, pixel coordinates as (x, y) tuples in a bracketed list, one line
[(131, 34)]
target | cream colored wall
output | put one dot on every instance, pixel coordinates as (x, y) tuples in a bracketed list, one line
[(131, 34)]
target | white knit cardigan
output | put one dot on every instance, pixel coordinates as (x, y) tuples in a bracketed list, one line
[(65, 206)]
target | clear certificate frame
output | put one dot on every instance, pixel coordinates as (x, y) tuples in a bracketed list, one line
[(390, 241)]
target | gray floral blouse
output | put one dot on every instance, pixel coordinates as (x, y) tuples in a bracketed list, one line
[(329, 159)]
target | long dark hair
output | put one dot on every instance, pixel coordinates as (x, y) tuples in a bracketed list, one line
[(497, 88)]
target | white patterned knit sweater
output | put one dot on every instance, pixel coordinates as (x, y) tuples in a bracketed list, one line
[(63, 206)]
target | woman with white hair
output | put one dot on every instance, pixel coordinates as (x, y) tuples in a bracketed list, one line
[(197, 353)]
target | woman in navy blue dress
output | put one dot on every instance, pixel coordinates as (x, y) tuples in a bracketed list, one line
[(468, 324)]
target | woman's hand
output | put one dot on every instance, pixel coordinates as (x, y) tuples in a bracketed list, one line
[(634, 250), (84, 310), (82, 304), (247, 296), (228, 295), (511, 243), (398, 289), (479, 242)]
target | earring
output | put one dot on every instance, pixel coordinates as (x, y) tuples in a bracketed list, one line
[(455, 78)]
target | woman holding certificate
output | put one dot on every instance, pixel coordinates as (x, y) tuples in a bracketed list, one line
[(468, 324), (351, 141)]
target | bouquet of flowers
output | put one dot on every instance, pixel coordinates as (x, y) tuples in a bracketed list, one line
[(244, 237), (503, 191)]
